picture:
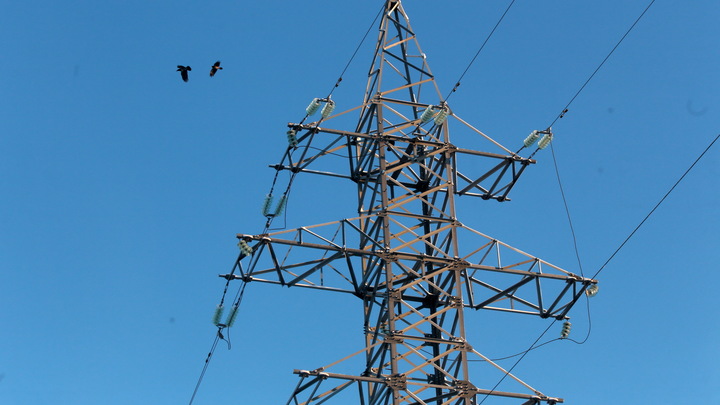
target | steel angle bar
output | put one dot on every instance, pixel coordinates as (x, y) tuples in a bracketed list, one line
[(326, 375), (469, 180), (504, 270), (315, 268), (500, 176), (406, 198), (418, 83), (415, 159), (328, 241), (515, 177), (427, 228), (576, 295), (407, 156), (306, 161), (488, 248), (507, 292), (365, 236), (435, 172), (391, 128), (400, 30), (302, 387), (402, 41), (512, 157), (551, 309), (407, 64), (485, 136), (415, 104), (324, 397), (342, 176), (474, 183), (310, 135), (421, 218), (371, 135), (425, 319), (314, 396), (278, 267), (543, 398)]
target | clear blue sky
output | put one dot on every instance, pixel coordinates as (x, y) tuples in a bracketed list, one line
[(123, 188)]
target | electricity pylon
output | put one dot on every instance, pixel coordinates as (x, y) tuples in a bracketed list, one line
[(406, 256)]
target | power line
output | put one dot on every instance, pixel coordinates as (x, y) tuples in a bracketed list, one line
[(567, 210), (205, 367), (657, 205), (337, 83), (457, 84), (565, 109), (291, 148), (219, 336), (532, 346)]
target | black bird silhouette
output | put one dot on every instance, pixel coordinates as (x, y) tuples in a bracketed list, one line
[(215, 68), (184, 71)]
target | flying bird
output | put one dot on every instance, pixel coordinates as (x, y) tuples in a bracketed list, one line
[(215, 68), (184, 71)]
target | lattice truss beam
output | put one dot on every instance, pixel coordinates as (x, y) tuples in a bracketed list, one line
[(494, 275)]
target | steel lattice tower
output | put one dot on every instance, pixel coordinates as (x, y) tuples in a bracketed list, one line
[(414, 266)]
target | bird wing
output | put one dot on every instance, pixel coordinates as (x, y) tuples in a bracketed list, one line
[(217, 64), (184, 75)]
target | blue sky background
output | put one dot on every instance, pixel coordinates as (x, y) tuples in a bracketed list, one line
[(123, 189)]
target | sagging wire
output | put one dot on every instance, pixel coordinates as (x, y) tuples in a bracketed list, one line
[(566, 338), (567, 211), (546, 140)]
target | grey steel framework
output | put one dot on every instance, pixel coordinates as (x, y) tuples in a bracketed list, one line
[(414, 266)]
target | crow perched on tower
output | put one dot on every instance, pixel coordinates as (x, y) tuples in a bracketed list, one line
[(184, 71), (215, 68)]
